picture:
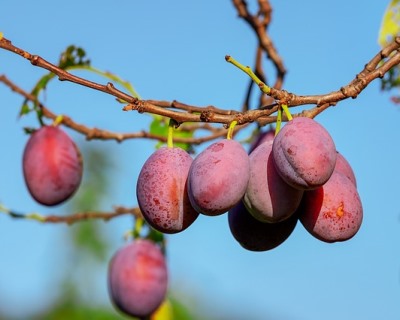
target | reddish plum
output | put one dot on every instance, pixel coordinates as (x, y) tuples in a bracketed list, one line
[(138, 278), (304, 153), (162, 190), (218, 177), (268, 197), (52, 166), (343, 166), (332, 212)]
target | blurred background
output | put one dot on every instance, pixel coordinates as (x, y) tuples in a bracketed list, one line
[(175, 50)]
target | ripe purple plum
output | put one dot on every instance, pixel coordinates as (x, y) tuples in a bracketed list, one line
[(343, 166), (138, 278), (52, 166), (162, 190), (332, 212), (255, 235), (218, 177), (268, 197), (263, 136), (304, 153)]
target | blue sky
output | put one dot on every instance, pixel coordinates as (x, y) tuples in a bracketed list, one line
[(175, 50)]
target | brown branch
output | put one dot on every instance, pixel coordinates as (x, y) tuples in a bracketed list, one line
[(79, 216), (102, 134), (259, 24), (374, 69)]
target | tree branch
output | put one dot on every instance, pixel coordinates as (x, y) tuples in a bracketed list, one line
[(374, 69), (75, 217)]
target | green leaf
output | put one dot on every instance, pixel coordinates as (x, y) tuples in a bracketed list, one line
[(390, 26), (24, 110), (159, 126), (73, 56)]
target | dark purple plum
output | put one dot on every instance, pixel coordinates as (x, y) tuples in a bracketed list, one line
[(255, 235), (162, 190), (343, 166), (304, 153), (138, 278), (268, 197), (218, 177), (332, 212), (52, 166)]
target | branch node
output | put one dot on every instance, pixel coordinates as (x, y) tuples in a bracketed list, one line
[(206, 115)]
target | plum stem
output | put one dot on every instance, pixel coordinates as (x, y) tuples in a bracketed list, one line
[(287, 112), (231, 129), (171, 126), (246, 69), (278, 121), (58, 120), (139, 222)]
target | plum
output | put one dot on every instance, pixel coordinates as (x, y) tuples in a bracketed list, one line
[(52, 166), (218, 177), (263, 136), (343, 166), (138, 278), (162, 190), (268, 197), (332, 212), (304, 153), (254, 235)]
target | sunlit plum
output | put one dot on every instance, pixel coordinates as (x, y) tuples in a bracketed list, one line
[(268, 198), (162, 190), (343, 166), (263, 136), (138, 278), (304, 153), (52, 166), (255, 235), (332, 212), (218, 177)]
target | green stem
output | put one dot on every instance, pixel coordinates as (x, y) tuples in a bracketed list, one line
[(170, 137), (287, 112), (58, 120), (139, 222), (231, 129), (246, 69), (278, 121)]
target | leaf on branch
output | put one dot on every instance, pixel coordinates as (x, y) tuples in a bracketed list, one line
[(390, 26), (159, 126), (73, 56)]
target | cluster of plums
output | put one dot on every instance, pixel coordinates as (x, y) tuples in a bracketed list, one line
[(297, 175)]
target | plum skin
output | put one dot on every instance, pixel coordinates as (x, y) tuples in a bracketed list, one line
[(138, 278), (162, 190), (332, 212), (268, 197), (254, 235), (52, 166), (343, 166), (304, 153), (218, 177)]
